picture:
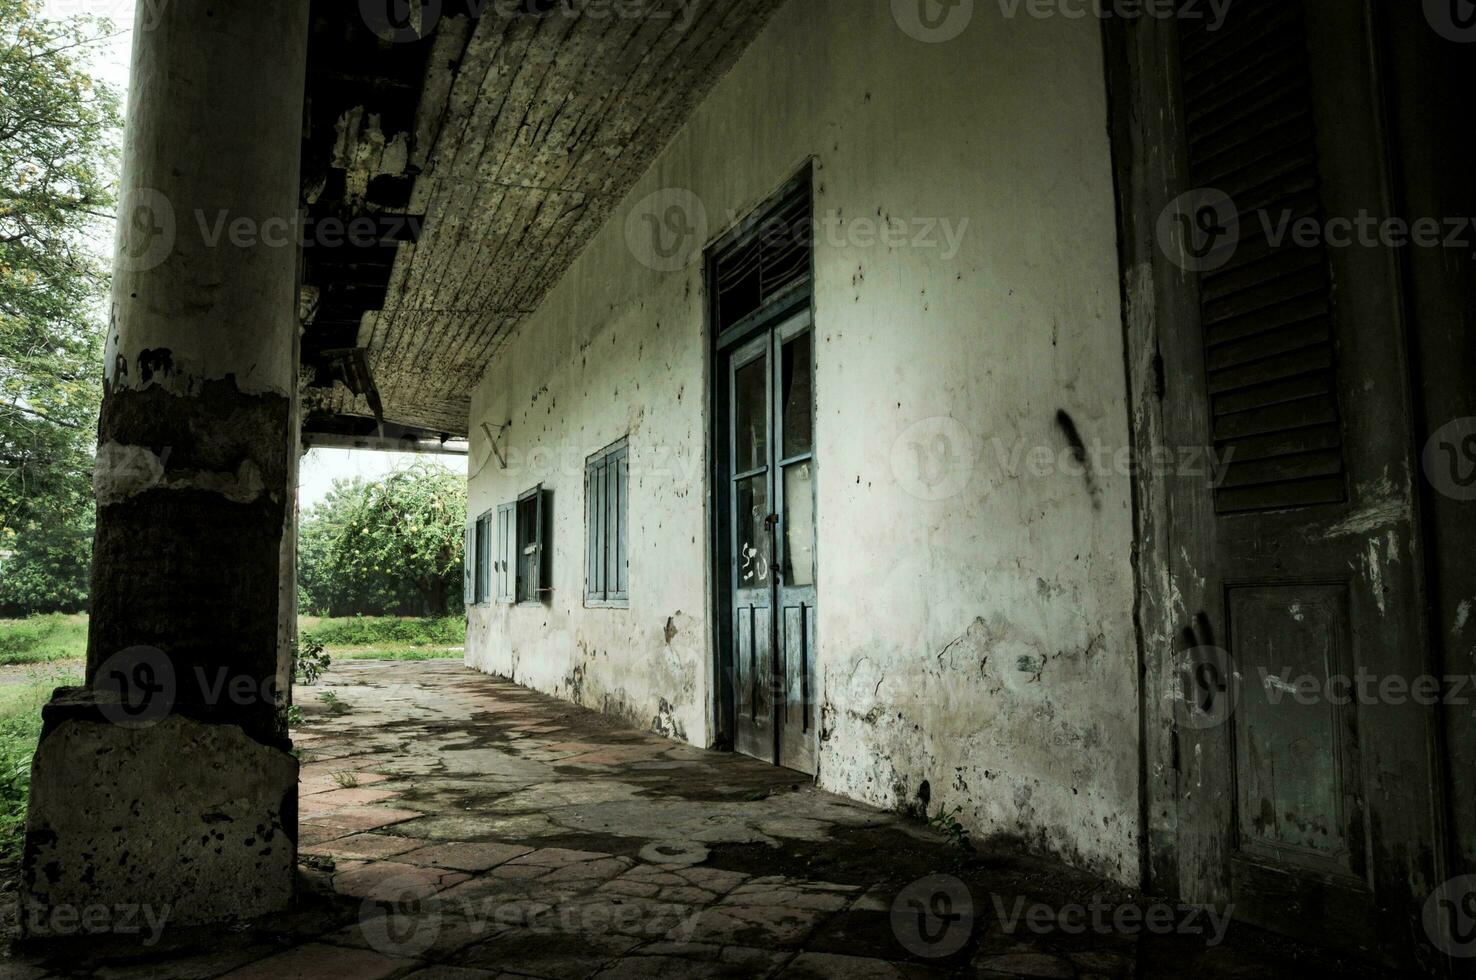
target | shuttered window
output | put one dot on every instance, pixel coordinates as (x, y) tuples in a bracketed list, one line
[(506, 566), (1267, 314), (481, 560), (606, 495), (532, 518), (769, 256), (520, 564)]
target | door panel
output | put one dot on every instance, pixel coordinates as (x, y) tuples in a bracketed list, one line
[(772, 499), (795, 463), (1296, 751), (1306, 814), (753, 628), (755, 710)]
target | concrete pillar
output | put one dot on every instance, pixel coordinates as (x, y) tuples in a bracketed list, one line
[(167, 780)]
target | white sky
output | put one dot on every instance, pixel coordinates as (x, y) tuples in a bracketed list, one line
[(110, 62), (320, 467)]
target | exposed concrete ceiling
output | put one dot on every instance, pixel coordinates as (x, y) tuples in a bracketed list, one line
[(513, 135)]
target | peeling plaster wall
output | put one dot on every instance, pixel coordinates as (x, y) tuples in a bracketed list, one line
[(983, 641), (589, 375)]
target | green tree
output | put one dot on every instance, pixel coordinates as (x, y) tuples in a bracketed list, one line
[(388, 547), (58, 154)]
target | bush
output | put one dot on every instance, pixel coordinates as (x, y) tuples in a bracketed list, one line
[(50, 559), (364, 631), (310, 661)]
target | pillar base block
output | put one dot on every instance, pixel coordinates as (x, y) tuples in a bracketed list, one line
[(184, 822)]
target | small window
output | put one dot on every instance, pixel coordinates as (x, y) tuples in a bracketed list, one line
[(525, 571), (606, 495)]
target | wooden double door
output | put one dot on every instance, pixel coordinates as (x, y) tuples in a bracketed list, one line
[(770, 549)]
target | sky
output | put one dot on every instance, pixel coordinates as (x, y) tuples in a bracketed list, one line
[(110, 58)]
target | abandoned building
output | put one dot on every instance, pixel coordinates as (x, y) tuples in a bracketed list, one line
[(1056, 415)]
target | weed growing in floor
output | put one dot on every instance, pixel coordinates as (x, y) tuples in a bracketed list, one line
[(310, 660), (959, 843), (336, 706), (346, 780)]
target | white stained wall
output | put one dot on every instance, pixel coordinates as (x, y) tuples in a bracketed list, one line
[(975, 587)]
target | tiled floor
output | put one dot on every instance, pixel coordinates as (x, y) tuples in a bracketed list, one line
[(457, 826)]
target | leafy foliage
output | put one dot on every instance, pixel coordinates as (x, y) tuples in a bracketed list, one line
[(310, 660), (58, 153), (391, 547), (961, 845)]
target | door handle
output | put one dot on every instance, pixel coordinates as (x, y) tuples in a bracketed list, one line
[(772, 523)]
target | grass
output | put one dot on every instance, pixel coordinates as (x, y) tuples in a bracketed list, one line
[(395, 653), (384, 632), (48, 639), (43, 639), (20, 727)]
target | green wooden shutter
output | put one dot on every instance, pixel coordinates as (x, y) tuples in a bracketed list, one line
[(606, 488), (538, 567), (618, 479), (468, 565), (506, 542), (1267, 315), (484, 558), (594, 530)]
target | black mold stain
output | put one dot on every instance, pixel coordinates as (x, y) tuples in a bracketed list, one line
[(155, 361), (1078, 452)]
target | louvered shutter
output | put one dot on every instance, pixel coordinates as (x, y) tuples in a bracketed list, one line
[(506, 543), (468, 565), (767, 260), (1267, 314)]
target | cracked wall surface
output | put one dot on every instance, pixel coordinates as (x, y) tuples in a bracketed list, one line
[(975, 611)]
